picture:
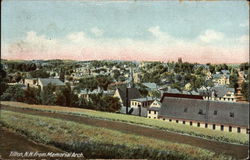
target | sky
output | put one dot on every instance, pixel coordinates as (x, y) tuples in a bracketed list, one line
[(205, 31)]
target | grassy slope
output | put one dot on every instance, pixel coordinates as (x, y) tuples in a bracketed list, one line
[(96, 142), (230, 137)]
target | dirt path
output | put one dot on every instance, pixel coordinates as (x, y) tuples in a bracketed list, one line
[(237, 151), (11, 141)]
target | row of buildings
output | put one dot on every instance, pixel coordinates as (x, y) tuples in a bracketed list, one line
[(213, 108), (188, 109)]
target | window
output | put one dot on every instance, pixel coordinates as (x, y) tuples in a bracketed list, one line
[(231, 114), (176, 121), (163, 119), (155, 112), (213, 126), (149, 112), (198, 124), (154, 117), (149, 117), (183, 122), (191, 123), (205, 125), (170, 120), (200, 111), (185, 110), (230, 128), (222, 128), (215, 112), (238, 129)]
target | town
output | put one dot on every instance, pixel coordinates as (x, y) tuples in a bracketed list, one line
[(213, 96)]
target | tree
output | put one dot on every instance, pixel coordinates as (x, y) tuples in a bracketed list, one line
[(65, 96), (116, 74), (31, 95), (3, 80), (233, 80), (155, 94), (47, 96), (112, 104), (142, 89), (18, 77), (212, 69), (245, 90), (105, 103), (39, 74), (13, 93), (103, 81), (62, 75), (87, 83)]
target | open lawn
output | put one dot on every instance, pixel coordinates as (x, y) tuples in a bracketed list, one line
[(230, 137), (96, 142)]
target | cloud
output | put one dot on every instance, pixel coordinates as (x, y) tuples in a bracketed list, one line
[(162, 47), (211, 36), (244, 24), (96, 31), (244, 39)]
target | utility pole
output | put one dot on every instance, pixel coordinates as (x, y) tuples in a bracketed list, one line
[(126, 100)]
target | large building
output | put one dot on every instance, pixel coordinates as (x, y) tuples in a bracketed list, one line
[(141, 105), (216, 115), (42, 83), (125, 95)]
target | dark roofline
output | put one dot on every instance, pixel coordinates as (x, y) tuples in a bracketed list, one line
[(181, 96)]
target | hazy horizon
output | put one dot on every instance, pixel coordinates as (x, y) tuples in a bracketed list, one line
[(199, 32)]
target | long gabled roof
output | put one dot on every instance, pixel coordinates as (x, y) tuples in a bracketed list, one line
[(53, 81), (203, 111)]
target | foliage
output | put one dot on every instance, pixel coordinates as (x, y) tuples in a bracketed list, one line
[(155, 94), (142, 89), (3, 80), (103, 81), (31, 95), (245, 90), (65, 96), (13, 93), (105, 103), (47, 96), (39, 74), (244, 66), (233, 80), (21, 66), (62, 75), (88, 83)]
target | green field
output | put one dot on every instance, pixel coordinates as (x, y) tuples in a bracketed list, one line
[(96, 142), (238, 138)]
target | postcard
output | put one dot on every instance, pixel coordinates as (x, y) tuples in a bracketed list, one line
[(149, 80)]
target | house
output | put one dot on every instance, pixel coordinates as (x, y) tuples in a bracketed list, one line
[(141, 105), (31, 82), (153, 109), (44, 82), (86, 93), (225, 72), (219, 93), (126, 94), (216, 115), (150, 86), (221, 79)]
